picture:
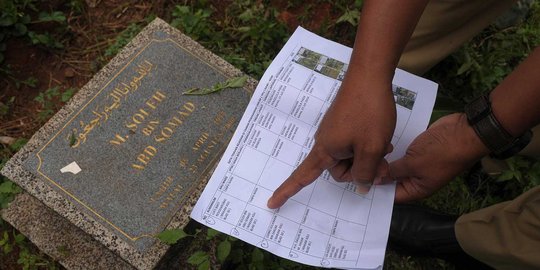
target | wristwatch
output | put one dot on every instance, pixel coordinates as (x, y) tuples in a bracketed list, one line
[(501, 144)]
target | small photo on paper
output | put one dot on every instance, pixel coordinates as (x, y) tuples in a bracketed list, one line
[(404, 97), (321, 63)]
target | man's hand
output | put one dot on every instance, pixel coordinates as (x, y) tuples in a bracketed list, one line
[(355, 134), (351, 141), (435, 157)]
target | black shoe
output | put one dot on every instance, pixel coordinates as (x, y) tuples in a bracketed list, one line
[(422, 232)]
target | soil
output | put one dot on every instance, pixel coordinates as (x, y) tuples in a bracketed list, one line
[(85, 37)]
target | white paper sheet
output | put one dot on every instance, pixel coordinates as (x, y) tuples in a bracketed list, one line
[(326, 224)]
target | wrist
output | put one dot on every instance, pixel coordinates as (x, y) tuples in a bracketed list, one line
[(364, 69), (371, 65), (508, 119), (361, 81), (515, 99)]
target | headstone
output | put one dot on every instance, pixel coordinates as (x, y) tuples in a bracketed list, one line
[(128, 156)]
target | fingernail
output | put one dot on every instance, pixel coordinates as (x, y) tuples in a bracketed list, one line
[(270, 203), (363, 188)]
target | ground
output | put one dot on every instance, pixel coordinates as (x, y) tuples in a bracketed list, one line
[(63, 43)]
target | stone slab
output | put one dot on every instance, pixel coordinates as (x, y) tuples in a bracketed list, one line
[(105, 132), (59, 238), (75, 249)]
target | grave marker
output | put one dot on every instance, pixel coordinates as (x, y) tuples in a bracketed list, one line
[(129, 155)]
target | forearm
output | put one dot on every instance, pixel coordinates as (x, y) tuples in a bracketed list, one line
[(384, 29), (516, 101)]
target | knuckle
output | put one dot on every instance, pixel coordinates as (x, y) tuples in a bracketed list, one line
[(321, 157), (374, 150), (363, 182), (301, 184)]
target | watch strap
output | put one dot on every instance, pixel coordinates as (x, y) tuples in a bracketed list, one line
[(501, 144)]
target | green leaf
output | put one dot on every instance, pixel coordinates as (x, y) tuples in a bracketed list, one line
[(236, 82), (505, 176), (40, 98), (257, 255), (7, 20), (30, 81), (204, 265), (44, 39), (66, 95), (511, 162), (522, 163), (5, 239), (518, 175), (41, 39), (464, 67), (5, 199), (18, 144), (7, 248), (223, 250), (350, 16), (20, 29), (171, 236), (243, 29), (56, 44), (534, 173), (246, 15), (25, 19), (55, 16), (180, 11), (72, 139), (535, 179), (19, 237), (211, 233), (198, 258), (7, 187), (236, 256)]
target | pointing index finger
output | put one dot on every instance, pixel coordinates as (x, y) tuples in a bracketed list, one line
[(309, 170)]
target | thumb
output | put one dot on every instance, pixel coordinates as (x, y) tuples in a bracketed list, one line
[(406, 189), (368, 165), (364, 169), (400, 168)]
